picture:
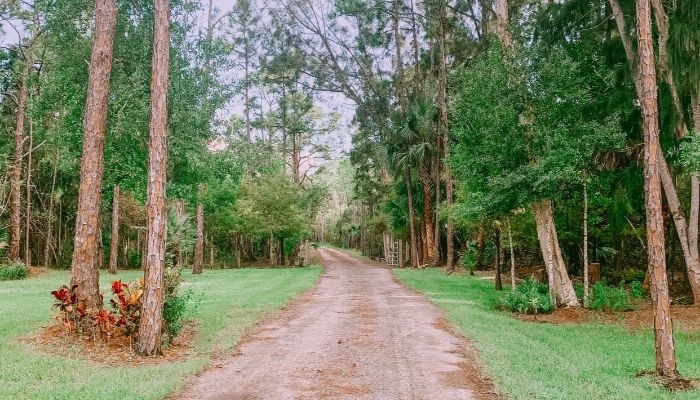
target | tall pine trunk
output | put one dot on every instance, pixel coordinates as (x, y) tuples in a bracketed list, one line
[(114, 246), (499, 259), (28, 198), (49, 227), (86, 247), (586, 283), (16, 186), (151, 324), (512, 258), (646, 84), (199, 248), (415, 260), (445, 134), (429, 251)]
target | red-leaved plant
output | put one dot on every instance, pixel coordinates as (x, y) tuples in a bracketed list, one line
[(127, 303), (67, 305), (122, 320)]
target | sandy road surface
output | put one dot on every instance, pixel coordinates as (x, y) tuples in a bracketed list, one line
[(357, 335)]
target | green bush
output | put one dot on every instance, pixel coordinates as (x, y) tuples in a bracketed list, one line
[(637, 290), (13, 271), (530, 297), (610, 298), (175, 304)]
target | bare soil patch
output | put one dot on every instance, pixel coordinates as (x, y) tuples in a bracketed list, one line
[(116, 352)]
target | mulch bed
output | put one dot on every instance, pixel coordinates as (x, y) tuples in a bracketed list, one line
[(116, 352), (685, 318)]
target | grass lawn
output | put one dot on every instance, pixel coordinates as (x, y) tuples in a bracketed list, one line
[(227, 303), (543, 361)]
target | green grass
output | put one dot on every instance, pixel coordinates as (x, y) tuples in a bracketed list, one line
[(544, 361), (227, 303)]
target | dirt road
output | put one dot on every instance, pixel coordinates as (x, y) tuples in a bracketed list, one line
[(357, 335)]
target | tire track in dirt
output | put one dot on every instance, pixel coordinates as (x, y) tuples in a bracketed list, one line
[(357, 335)]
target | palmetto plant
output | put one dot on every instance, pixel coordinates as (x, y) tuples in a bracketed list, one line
[(182, 234)]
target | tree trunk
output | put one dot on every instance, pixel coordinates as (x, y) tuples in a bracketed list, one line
[(199, 248), (499, 259), (180, 213), (480, 243), (49, 227), (688, 244), (238, 249), (415, 261), (283, 260), (400, 92), (445, 133), (150, 327), (430, 256), (211, 253), (15, 195), (512, 258), (560, 287), (28, 198), (663, 327), (114, 246), (86, 250), (586, 283)]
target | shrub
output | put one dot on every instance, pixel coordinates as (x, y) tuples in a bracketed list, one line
[(609, 298), (530, 297), (175, 304), (124, 317), (637, 290), (13, 271)]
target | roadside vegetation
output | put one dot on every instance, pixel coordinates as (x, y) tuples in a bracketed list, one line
[(535, 360), (224, 303)]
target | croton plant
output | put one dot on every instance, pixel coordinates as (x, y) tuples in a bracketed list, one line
[(123, 319)]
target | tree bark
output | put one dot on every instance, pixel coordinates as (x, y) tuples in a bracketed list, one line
[(665, 70), (49, 227), (663, 327), (28, 198), (586, 283), (512, 258), (151, 324), (415, 259), (86, 250), (687, 239), (429, 256), (400, 90), (445, 133), (560, 287), (114, 246), (15, 195), (199, 248), (282, 252), (499, 259)]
